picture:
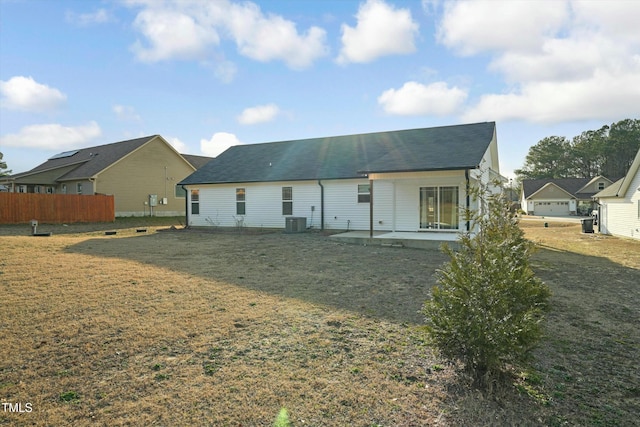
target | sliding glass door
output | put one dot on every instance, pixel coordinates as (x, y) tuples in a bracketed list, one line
[(439, 208)]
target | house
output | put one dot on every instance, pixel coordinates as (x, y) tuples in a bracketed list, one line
[(561, 197), (619, 204), (406, 180), (141, 173)]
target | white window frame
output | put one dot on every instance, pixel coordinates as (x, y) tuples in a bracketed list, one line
[(195, 201), (364, 193), (241, 201), (437, 208), (287, 201)]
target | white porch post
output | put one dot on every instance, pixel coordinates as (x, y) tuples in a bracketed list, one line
[(393, 212)]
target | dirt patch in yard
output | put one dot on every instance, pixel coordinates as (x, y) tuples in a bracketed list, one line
[(223, 328)]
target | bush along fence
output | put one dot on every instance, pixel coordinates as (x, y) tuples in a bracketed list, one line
[(21, 208)]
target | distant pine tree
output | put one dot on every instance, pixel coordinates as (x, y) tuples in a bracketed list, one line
[(3, 167)]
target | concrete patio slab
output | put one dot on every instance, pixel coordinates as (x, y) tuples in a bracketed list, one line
[(420, 240)]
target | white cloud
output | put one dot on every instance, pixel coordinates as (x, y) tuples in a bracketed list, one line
[(603, 96), (258, 114), (562, 60), (381, 30), (24, 93), (176, 143), (417, 99), (126, 113), (614, 18), (100, 16), (187, 30), (218, 143), (52, 136), (172, 34), (470, 27), (558, 60), (266, 38)]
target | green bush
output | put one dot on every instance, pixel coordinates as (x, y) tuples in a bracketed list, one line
[(487, 307), (282, 420)]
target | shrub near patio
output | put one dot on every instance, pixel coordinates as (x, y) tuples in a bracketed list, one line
[(487, 306)]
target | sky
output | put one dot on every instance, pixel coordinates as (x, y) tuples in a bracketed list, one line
[(210, 74)]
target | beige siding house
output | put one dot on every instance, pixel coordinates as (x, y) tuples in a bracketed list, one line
[(620, 204), (141, 173), (561, 197)]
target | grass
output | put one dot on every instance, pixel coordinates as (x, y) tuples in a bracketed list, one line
[(176, 328)]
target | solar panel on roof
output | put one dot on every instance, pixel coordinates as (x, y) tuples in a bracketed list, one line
[(64, 154)]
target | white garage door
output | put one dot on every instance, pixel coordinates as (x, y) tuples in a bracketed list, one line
[(551, 208)]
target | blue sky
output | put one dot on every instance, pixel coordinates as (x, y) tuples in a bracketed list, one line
[(209, 74)]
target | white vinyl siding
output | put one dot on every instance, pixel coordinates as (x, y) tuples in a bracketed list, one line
[(396, 202), (621, 215), (263, 204), (341, 208), (407, 197)]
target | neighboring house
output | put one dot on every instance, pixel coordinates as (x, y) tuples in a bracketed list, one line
[(141, 173), (407, 180), (619, 212), (561, 197)]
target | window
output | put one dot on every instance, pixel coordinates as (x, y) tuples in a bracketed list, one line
[(64, 188), (22, 189), (601, 186), (439, 208), (240, 201), (195, 202), (79, 188), (364, 193), (287, 200), (49, 190), (180, 192)]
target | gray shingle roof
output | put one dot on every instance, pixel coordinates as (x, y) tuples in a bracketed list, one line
[(197, 161), (90, 160), (570, 185), (350, 156)]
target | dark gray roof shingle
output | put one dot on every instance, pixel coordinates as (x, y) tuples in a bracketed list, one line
[(570, 185), (350, 156), (90, 160)]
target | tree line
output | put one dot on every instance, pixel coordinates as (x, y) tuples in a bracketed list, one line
[(608, 151), (3, 167)]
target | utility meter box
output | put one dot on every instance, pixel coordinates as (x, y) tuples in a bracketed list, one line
[(153, 200)]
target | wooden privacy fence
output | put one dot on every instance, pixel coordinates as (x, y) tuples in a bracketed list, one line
[(19, 208)]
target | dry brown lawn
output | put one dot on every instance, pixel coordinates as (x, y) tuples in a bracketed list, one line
[(223, 329)]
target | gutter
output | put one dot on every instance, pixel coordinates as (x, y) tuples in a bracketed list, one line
[(467, 187), (321, 205)]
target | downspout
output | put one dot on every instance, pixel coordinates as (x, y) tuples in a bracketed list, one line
[(186, 206), (321, 205), (467, 187), (370, 208)]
